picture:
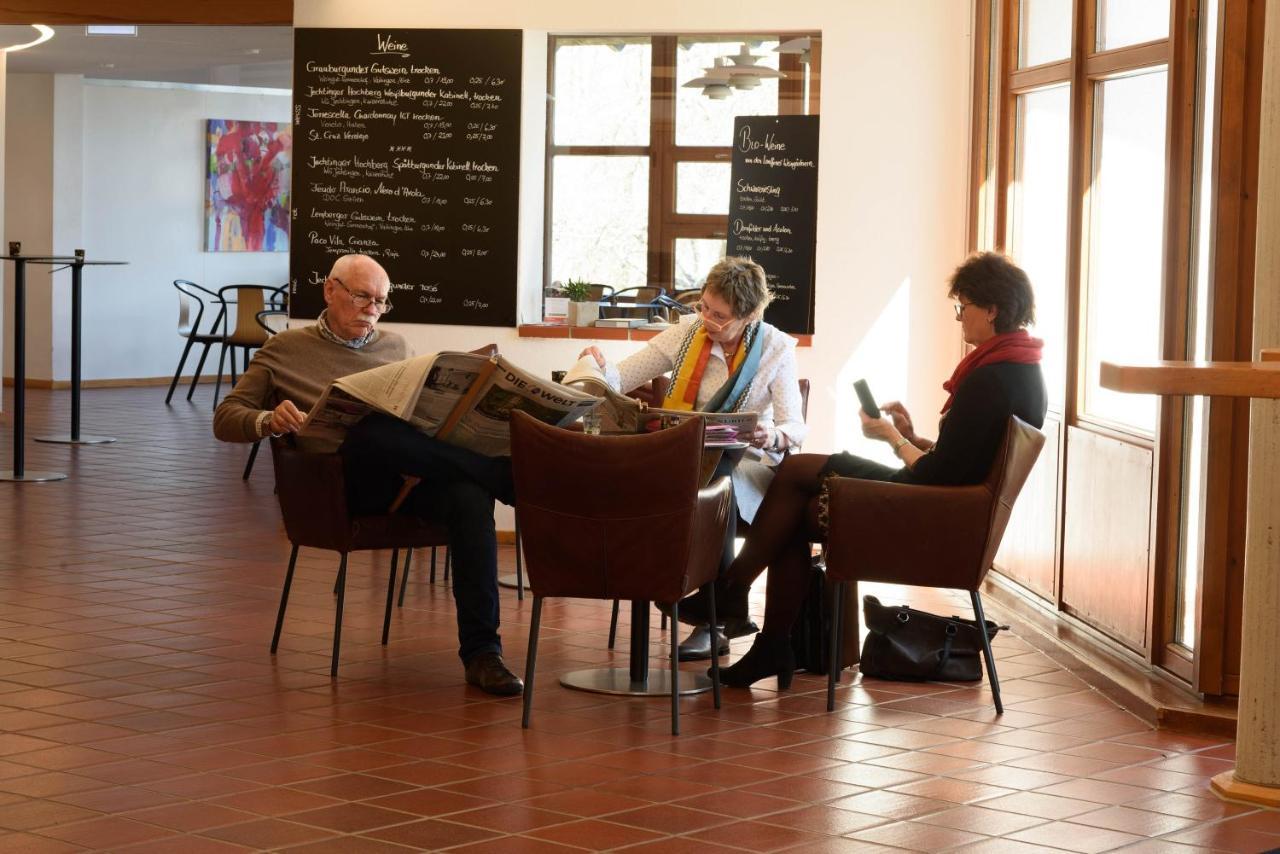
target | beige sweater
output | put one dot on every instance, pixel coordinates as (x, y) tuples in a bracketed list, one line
[(296, 365)]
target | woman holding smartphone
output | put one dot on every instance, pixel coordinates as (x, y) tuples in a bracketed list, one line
[(1000, 377)]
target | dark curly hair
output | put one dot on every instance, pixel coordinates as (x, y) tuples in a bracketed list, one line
[(989, 279)]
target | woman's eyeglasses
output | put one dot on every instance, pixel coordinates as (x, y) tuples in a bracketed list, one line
[(960, 307), (717, 320), (362, 300)]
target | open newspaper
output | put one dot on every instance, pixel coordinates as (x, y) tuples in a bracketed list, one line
[(464, 399), (628, 415)]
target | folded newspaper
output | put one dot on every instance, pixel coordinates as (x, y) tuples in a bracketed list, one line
[(628, 415), (465, 399)]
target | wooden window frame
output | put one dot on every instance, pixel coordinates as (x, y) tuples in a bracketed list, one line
[(997, 83), (666, 224)]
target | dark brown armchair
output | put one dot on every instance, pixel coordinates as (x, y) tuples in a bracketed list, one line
[(313, 501), (927, 536), (629, 523)]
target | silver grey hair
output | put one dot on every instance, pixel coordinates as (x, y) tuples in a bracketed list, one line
[(741, 283)]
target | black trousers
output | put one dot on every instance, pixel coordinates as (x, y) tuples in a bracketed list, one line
[(458, 489)]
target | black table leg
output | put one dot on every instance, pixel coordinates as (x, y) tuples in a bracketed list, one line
[(77, 270), (19, 473), (639, 642)]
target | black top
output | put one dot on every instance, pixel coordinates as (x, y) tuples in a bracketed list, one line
[(970, 433)]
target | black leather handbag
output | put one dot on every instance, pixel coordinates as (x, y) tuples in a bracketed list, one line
[(906, 645)]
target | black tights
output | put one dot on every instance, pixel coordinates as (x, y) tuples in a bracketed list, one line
[(785, 524)]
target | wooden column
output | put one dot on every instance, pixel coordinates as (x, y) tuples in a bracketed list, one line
[(1256, 777)]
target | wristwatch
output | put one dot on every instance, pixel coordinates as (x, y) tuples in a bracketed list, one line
[(263, 425)]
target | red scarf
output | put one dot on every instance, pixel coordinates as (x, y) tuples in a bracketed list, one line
[(1017, 347)]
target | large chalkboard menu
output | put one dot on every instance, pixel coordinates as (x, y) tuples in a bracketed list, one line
[(407, 148), (773, 209)]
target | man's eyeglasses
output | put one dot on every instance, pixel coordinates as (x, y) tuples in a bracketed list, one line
[(960, 307), (716, 319), (362, 300)]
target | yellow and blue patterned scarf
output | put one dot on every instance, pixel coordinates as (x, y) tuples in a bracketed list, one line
[(691, 361)]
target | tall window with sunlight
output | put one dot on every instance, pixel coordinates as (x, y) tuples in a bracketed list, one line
[(1126, 229), (1038, 219)]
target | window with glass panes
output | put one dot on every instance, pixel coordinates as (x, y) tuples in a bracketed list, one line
[(638, 164), (1097, 124)]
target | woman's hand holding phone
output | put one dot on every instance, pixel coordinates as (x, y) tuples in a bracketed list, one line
[(878, 428)]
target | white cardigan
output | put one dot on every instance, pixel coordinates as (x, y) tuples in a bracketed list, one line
[(774, 396)]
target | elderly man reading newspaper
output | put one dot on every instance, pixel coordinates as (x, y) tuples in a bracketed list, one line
[(290, 374)]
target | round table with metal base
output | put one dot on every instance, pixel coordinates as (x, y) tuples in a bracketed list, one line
[(617, 680), (34, 476), (82, 439), (512, 580)]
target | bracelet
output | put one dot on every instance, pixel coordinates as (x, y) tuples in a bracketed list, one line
[(263, 425), (897, 446)]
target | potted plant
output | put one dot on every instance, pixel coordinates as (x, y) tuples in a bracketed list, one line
[(583, 311)]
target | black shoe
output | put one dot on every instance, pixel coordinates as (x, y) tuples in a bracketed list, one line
[(768, 656), (697, 646), (488, 672)]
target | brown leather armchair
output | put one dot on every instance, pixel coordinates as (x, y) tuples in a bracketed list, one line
[(313, 502), (589, 508), (927, 536), (653, 394)]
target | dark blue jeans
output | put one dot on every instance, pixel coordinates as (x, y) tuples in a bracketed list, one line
[(458, 488)]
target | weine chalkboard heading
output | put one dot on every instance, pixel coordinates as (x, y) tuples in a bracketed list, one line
[(407, 145)]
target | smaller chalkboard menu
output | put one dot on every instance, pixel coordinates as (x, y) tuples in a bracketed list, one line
[(773, 209), (407, 148)]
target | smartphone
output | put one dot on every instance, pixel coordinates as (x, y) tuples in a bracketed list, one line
[(865, 397)]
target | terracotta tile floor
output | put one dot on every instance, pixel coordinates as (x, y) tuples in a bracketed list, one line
[(141, 711)]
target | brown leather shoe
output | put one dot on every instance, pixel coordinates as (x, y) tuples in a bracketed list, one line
[(488, 672)]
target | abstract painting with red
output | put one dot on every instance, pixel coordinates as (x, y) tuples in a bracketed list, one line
[(247, 198)]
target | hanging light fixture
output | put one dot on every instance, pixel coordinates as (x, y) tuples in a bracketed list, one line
[(802, 46), (745, 73), (714, 80)]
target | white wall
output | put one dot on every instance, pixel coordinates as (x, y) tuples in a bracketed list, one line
[(28, 209), (892, 177), (144, 172), (118, 170)]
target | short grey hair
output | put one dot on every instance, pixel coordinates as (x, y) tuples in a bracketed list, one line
[(740, 282)]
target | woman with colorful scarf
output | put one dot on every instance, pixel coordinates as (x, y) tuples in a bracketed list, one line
[(727, 360), (999, 378)]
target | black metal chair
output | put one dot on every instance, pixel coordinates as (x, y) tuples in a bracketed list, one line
[(191, 305)]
